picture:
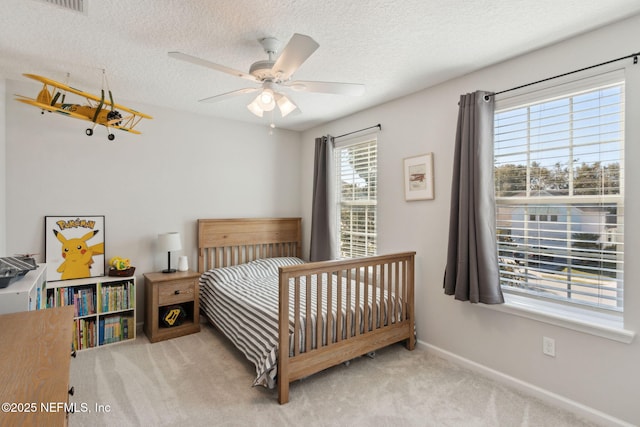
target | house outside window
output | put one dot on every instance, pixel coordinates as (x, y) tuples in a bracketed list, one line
[(559, 186), (357, 187)]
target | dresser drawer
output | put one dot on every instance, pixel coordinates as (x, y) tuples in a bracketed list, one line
[(176, 292)]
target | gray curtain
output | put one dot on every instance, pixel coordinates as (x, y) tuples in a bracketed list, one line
[(472, 259), (322, 236)]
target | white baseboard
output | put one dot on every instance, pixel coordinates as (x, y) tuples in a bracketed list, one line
[(547, 396)]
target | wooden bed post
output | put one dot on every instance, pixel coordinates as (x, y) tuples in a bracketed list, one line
[(411, 342), (283, 340), (201, 267)]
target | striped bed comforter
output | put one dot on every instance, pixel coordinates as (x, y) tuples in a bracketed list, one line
[(242, 302)]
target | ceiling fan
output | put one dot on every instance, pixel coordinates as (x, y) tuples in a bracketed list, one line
[(273, 73)]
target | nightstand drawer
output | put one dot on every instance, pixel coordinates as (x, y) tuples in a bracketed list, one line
[(176, 292)]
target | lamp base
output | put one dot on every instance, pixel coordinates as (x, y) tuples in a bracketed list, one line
[(169, 270)]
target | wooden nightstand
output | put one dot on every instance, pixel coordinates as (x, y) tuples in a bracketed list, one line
[(166, 289)]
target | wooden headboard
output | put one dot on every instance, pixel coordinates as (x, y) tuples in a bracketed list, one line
[(225, 242)]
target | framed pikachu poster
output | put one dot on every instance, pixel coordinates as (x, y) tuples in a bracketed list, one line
[(74, 247)]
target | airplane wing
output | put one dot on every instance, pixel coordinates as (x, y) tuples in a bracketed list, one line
[(84, 94), (62, 86), (51, 108), (126, 129), (128, 110), (127, 122)]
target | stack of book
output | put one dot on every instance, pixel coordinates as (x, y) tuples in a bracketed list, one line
[(116, 297), (85, 334), (115, 328), (84, 300)]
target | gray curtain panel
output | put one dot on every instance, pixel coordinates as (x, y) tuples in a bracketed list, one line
[(472, 258), (322, 239)]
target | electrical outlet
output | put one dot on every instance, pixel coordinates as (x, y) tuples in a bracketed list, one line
[(549, 346)]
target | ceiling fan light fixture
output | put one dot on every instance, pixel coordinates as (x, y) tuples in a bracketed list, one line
[(285, 105), (255, 108), (266, 100)]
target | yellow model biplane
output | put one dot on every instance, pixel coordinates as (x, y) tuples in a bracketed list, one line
[(99, 110)]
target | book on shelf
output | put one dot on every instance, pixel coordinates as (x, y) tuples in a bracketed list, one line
[(117, 296), (84, 299), (115, 328), (85, 334)]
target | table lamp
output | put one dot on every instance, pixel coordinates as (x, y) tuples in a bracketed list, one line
[(169, 242)]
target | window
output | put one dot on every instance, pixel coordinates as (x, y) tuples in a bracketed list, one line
[(559, 186), (357, 167)]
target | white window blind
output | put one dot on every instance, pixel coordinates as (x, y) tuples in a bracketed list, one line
[(357, 167), (559, 184)]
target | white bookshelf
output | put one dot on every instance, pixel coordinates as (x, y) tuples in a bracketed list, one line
[(105, 310)]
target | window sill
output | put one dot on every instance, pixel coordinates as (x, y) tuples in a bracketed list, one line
[(610, 326)]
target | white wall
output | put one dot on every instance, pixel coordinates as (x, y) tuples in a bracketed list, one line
[(587, 370), (183, 167)]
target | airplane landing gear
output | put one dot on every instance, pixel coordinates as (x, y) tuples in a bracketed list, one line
[(89, 131), (111, 137)]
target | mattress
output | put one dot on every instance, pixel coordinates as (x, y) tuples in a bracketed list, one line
[(242, 302)]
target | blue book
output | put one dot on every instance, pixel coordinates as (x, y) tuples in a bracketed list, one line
[(125, 328), (101, 331)]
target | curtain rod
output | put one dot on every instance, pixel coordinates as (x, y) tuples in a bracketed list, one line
[(633, 55), (379, 126)]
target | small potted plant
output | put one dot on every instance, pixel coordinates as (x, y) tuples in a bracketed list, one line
[(120, 267)]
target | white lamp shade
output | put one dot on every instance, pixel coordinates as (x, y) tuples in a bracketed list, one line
[(255, 108), (285, 104), (169, 242), (266, 100)]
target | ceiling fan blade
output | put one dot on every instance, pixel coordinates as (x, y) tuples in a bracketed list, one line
[(352, 89), (232, 94), (297, 50), (203, 62)]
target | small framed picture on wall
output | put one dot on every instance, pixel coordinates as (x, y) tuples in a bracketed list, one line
[(74, 246), (418, 177)]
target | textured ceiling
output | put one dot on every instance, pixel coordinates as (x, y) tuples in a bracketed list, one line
[(393, 47)]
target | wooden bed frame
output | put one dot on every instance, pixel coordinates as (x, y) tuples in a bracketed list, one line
[(226, 242)]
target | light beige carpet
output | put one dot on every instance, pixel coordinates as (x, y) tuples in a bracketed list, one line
[(201, 380)]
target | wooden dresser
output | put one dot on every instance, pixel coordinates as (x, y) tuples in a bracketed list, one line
[(35, 354)]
